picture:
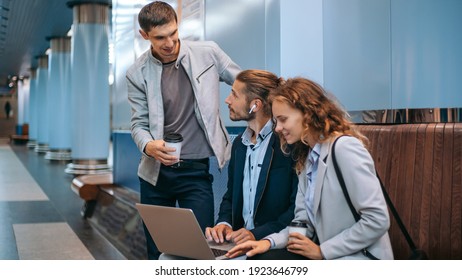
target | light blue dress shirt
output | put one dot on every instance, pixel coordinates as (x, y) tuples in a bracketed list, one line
[(254, 160), (312, 171)]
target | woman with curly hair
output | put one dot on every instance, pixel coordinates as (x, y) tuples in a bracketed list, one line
[(308, 123)]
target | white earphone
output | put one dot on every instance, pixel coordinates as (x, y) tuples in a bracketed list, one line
[(252, 108)]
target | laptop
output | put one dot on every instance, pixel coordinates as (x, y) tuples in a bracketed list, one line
[(176, 232)]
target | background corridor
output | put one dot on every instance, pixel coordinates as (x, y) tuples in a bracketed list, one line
[(39, 212)]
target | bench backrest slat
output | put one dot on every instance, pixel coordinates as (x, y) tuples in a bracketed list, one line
[(421, 167)]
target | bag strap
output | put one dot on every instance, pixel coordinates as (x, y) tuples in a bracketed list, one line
[(396, 215), (347, 196), (385, 194), (342, 183)]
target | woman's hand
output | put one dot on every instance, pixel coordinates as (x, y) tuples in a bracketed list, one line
[(302, 245), (250, 248), (240, 236)]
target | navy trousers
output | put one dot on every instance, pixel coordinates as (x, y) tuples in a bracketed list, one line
[(190, 188)]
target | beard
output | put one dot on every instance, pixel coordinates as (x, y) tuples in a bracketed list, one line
[(244, 116)]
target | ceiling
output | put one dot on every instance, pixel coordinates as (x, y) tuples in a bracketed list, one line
[(25, 26)]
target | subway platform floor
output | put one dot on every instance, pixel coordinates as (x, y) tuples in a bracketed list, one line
[(40, 214)]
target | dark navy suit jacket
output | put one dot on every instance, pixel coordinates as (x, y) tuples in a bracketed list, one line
[(275, 195)]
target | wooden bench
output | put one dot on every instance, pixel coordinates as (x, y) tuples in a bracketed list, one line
[(21, 138), (89, 187), (421, 167)]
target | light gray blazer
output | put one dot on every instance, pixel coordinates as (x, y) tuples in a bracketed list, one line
[(338, 234), (206, 65)]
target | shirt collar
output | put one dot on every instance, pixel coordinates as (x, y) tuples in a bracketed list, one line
[(265, 131), (314, 153)]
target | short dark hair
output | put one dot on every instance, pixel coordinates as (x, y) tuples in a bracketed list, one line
[(155, 14)]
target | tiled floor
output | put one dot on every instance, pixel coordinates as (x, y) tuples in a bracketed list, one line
[(39, 213), (57, 241)]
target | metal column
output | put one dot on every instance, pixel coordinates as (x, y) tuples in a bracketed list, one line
[(90, 89), (59, 89), (33, 128), (42, 105)]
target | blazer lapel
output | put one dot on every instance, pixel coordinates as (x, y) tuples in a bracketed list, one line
[(264, 172), (238, 175), (322, 167)]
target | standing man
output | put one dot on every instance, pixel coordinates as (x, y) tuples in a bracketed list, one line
[(174, 88), (7, 109), (262, 182)]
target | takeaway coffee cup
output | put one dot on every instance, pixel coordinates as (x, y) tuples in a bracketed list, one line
[(298, 226), (174, 140)]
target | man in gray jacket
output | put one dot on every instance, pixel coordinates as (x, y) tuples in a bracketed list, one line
[(174, 88)]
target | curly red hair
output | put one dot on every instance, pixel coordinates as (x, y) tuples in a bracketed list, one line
[(323, 118)]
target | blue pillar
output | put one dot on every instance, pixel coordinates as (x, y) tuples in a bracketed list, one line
[(23, 97), (59, 89), (26, 100), (90, 89), (42, 105), (33, 124)]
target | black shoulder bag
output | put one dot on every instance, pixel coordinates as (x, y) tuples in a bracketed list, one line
[(417, 254)]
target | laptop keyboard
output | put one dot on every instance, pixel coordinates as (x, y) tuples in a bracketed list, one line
[(218, 252)]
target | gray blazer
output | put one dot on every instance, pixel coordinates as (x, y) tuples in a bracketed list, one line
[(206, 65), (337, 232)]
